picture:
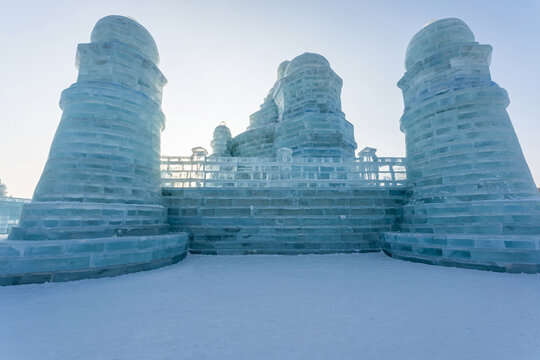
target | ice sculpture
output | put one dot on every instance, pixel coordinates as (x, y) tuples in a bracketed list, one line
[(302, 112), (102, 177), (474, 202)]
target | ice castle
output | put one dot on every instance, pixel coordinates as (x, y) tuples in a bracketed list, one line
[(107, 203)]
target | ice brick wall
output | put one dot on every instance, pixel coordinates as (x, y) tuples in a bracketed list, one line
[(102, 176), (470, 185)]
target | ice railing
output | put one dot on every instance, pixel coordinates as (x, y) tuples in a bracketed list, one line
[(209, 171)]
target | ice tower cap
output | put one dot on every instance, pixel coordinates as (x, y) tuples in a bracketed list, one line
[(281, 69), (127, 31), (435, 36), (306, 60), (222, 131)]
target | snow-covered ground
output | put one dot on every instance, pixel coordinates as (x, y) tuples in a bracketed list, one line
[(363, 306)]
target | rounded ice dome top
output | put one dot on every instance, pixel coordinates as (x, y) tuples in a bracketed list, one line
[(281, 69), (306, 60), (222, 131), (434, 37), (127, 31)]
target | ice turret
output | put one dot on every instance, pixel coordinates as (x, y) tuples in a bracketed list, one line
[(222, 141), (102, 177), (106, 149), (302, 112), (473, 200), (460, 140)]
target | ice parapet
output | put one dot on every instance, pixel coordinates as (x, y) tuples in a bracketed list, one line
[(102, 176), (467, 175), (302, 112)]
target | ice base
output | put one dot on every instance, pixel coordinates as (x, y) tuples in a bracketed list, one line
[(26, 262)]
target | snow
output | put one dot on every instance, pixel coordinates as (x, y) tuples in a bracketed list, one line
[(366, 306)]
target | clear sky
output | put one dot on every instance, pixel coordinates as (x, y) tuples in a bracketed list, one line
[(221, 57)]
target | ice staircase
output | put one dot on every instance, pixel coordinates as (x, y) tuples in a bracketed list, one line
[(283, 220)]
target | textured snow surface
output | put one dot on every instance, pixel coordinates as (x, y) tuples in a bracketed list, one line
[(366, 306)]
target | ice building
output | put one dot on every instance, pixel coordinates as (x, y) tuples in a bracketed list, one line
[(97, 209), (10, 210), (473, 202)]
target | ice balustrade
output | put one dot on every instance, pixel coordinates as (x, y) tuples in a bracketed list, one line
[(209, 171)]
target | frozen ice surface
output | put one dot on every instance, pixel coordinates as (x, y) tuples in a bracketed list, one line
[(365, 306)]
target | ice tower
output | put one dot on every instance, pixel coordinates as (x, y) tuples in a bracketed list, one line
[(97, 209), (473, 200), (222, 141), (301, 112)]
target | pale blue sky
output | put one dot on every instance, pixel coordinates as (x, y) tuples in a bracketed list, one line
[(220, 58)]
